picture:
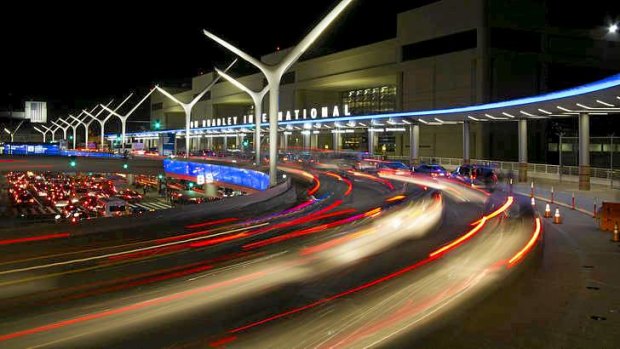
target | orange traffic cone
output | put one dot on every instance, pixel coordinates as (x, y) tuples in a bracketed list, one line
[(548, 212), (616, 236), (557, 219)]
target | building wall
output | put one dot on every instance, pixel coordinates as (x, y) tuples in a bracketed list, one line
[(514, 54)]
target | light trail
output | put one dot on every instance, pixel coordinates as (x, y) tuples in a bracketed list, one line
[(34, 238), (528, 247), (106, 256), (210, 223)]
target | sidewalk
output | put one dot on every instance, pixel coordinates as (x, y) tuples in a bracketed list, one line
[(570, 298), (563, 192)]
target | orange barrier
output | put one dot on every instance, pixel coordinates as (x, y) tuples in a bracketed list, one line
[(610, 215)]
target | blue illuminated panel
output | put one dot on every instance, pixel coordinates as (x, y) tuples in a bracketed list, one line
[(31, 149), (45, 149), (225, 174)]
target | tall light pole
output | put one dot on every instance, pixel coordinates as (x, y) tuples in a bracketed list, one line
[(12, 134), (187, 107), (560, 154), (51, 130), (257, 98), (273, 74), (102, 122), (63, 128), (41, 131), (126, 116), (74, 128), (87, 124)]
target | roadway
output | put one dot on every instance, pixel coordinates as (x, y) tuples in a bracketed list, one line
[(267, 275)]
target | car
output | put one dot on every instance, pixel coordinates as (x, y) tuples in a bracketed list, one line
[(432, 170), (22, 197), (477, 175), (139, 210), (129, 195), (395, 167)]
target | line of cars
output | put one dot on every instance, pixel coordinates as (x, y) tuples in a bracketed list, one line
[(476, 175), (67, 197)]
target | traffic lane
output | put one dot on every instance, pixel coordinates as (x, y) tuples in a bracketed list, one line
[(271, 275), (60, 248), (65, 278), (398, 311), (112, 231)]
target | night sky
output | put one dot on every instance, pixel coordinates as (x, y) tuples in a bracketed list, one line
[(73, 54)]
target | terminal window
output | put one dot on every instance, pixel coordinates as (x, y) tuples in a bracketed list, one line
[(379, 99)]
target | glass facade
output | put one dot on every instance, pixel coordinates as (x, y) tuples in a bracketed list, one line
[(379, 99)]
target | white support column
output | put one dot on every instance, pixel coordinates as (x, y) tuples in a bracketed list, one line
[(257, 98), (466, 153), (187, 107), (584, 151), (306, 137), (285, 145), (371, 141), (274, 73), (414, 145), (336, 137), (522, 137)]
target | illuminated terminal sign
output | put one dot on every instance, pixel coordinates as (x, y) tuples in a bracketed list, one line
[(289, 115)]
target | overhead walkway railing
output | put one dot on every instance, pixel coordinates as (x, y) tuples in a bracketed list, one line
[(604, 175)]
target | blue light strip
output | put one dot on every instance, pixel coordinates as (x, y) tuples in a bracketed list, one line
[(612, 81), (225, 174)]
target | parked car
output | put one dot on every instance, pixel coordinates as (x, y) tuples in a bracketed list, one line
[(432, 170)]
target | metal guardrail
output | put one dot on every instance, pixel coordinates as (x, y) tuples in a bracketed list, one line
[(510, 166)]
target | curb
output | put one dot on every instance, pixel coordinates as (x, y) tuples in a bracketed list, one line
[(559, 203)]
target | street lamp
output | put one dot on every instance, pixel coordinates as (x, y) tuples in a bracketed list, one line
[(63, 128), (257, 98), (102, 122), (12, 134), (274, 73), (126, 116), (40, 131), (73, 127), (52, 130), (87, 124), (187, 107)]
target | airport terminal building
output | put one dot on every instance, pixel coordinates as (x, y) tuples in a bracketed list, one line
[(446, 53)]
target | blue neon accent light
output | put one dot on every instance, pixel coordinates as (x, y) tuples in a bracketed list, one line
[(220, 173), (45, 149), (612, 81)]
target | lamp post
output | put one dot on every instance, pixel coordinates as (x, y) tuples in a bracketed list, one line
[(257, 98), (274, 73), (74, 128), (102, 122), (187, 107), (126, 116), (12, 134), (560, 154), (64, 128), (87, 124), (41, 131), (50, 129)]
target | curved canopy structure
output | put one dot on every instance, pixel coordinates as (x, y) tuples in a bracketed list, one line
[(597, 98)]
